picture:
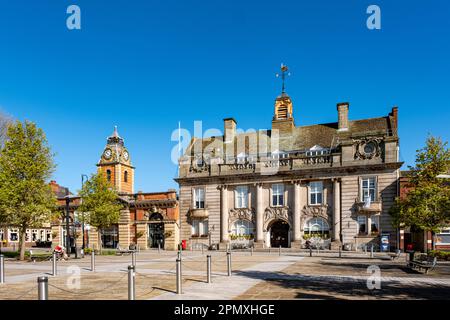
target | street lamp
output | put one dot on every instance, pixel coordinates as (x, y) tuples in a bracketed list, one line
[(83, 176), (67, 221)]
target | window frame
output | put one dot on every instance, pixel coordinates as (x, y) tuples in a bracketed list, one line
[(202, 226), (241, 224), (311, 193), (362, 188), (377, 218), (241, 199), (359, 225), (280, 194), (201, 204), (10, 232), (125, 176), (108, 175), (323, 231)]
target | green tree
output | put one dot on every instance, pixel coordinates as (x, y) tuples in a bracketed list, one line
[(26, 164), (427, 204), (100, 204)]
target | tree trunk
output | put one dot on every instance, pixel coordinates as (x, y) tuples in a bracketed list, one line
[(433, 236), (22, 240)]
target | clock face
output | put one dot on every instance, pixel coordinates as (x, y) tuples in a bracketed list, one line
[(126, 155), (107, 154)]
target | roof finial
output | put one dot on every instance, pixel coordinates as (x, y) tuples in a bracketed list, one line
[(284, 72), (115, 133)]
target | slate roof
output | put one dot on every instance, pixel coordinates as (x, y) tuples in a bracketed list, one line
[(304, 137)]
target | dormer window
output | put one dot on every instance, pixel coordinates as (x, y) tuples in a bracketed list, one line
[(277, 154), (317, 151), (241, 157)]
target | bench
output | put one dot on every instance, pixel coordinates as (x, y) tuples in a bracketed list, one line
[(121, 251), (426, 265), (40, 257)]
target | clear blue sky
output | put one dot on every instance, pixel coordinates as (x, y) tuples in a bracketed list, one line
[(145, 65)]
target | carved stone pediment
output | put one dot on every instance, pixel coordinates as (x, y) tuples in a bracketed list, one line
[(276, 213), (241, 214), (368, 148)]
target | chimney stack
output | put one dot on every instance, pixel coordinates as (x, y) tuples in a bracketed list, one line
[(229, 130), (343, 116), (394, 123)]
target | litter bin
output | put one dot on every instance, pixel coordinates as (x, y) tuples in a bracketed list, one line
[(183, 244)]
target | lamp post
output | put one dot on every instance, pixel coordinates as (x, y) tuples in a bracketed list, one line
[(67, 221), (83, 176)]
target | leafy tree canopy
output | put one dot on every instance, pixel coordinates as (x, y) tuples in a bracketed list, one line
[(26, 165)]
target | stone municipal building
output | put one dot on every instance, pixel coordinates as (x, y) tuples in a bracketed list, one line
[(280, 187)]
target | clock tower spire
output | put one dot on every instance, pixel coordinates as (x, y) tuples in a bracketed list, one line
[(115, 163)]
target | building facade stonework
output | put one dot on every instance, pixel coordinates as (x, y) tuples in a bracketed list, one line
[(333, 183)]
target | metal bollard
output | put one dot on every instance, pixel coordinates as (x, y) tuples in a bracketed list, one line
[(159, 247), (279, 250), (251, 251), (208, 268), (310, 251), (371, 252), (131, 284), (229, 263), (179, 255), (2, 268), (54, 265), (179, 289), (133, 259), (93, 261), (340, 252), (42, 288)]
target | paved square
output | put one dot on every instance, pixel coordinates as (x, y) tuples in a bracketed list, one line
[(263, 275)]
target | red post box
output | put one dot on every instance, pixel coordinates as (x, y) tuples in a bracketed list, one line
[(183, 244)]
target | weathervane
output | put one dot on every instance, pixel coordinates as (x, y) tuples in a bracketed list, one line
[(284, 71)]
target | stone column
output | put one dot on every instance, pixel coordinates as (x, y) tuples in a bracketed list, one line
[(336, 210), (259, 215), (224, 214), (297, 211)]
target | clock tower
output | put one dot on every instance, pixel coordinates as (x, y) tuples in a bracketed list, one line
[(115, 163)]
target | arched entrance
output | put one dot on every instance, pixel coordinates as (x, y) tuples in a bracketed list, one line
[(156, 231), (279, 234)]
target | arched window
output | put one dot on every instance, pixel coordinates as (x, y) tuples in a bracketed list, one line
[(243, 228), (317, 227), (108, 175), (125, 176)]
